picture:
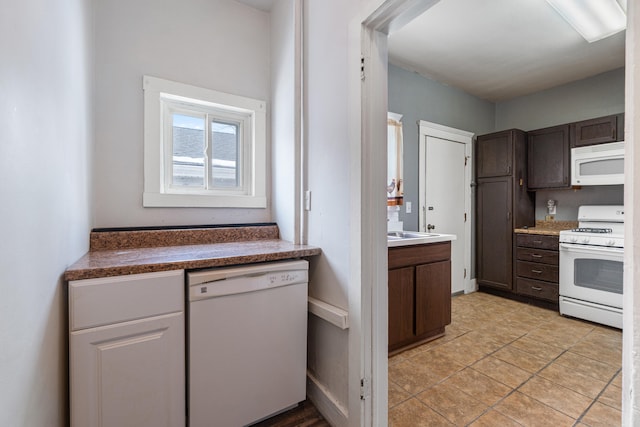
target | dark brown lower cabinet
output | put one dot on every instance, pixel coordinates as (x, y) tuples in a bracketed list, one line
[(537, 268), (419, 293)]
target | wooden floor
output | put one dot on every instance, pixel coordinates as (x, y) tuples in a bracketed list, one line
[(305, 415)]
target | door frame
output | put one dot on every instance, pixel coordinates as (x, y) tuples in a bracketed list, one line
[(368, 360), (457, 136)]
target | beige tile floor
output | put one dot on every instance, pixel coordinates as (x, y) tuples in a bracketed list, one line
[(505, 363)]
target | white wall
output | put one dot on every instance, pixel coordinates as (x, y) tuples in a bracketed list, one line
[(568, 201), (216, 44), (595, 96), (45, 129), (419, 98), (285, 110), (327, 136)]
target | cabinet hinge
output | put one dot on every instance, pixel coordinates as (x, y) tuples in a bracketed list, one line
[(365, 388), (465, 217), (466, 158), (465, 273), (362, 75)]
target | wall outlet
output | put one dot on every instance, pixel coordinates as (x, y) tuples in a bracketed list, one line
[(407, 207)]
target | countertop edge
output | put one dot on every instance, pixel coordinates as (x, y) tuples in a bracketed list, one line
[(538, 232), (421, 241), (83, 268), (547, 228)]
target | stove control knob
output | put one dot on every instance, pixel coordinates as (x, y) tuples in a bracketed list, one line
[(585, 240), (611, 242), (573, 239)]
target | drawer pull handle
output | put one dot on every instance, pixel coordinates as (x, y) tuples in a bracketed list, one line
[(537, 271), (535, 288), (537, 241), (536, 256)]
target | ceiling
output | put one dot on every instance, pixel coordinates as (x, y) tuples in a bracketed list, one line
[(500, 49), (497, 49)]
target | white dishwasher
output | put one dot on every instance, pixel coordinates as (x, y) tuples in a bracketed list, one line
[(247, 342)]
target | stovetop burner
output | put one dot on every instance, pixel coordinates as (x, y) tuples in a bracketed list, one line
[(592, 230)]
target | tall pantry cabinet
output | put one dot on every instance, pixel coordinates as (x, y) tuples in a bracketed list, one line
[(502, 202)]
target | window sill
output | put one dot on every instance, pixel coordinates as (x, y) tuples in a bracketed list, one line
[(163, 200)]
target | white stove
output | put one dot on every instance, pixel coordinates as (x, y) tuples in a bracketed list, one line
[(591, 266), (597, 226)]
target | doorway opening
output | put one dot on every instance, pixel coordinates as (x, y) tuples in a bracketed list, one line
[(392, 14)]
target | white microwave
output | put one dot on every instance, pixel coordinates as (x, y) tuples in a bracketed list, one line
[(601, 164)]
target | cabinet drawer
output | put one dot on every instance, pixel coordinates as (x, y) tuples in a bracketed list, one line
[(538, 271), (404, 256), (537, 255), (537, 241), (109, 300), (538, 289)]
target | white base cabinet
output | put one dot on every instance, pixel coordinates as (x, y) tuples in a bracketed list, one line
[(127, 367)]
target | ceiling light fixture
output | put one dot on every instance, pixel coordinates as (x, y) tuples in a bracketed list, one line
[(593, 19)]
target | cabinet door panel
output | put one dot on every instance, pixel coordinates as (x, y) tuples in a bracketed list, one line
[(548, 163), (494, 155), (494, 232), (401, 304), (595, 131), (433, 296), (130, 374)]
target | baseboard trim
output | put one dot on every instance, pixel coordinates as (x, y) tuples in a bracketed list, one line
[(473, 286), (335, 414)]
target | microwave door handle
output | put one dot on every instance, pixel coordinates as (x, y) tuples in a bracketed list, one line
[(600, 249)]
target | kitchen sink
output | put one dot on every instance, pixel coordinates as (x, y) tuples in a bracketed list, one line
[(408, 235), (406, 238)]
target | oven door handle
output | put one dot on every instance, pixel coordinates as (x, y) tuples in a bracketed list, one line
[(600, 249)]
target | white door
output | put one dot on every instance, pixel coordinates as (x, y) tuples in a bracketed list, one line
[(445, 196)]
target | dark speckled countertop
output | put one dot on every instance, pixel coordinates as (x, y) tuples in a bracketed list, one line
[(115, 253), (549, 228)]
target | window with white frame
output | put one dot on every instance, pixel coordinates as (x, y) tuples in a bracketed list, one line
[(202, 148)]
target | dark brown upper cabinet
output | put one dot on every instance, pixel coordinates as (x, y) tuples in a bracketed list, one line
[(597, 131), (494, 154), (548, 162)]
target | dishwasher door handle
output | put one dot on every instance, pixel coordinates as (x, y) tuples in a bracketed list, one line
[(228, 286), (241, 284)]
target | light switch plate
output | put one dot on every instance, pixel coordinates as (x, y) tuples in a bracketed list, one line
[(407, 207), (307, 200)]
